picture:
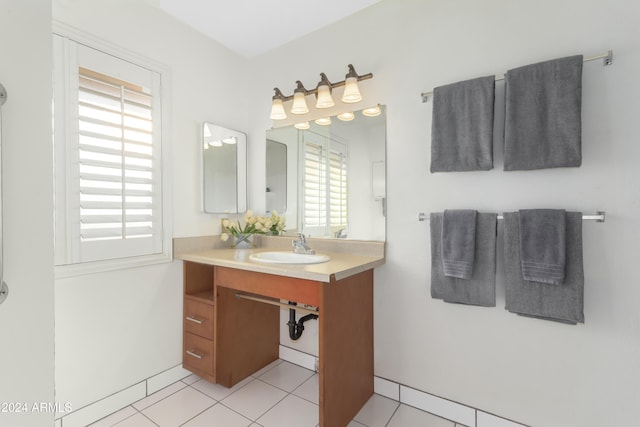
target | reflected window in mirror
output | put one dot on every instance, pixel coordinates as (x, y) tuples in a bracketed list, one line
[(324, 187), (336, 177), (224, 170), (276, 172)]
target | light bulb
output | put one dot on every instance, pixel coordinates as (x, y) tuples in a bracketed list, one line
[(323, 121), (371, 111), (346, 117), (302, 125), (351, 92), (299, 104), (277, 110), (324, 97)]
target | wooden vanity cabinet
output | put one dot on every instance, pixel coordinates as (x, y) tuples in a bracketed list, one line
[(227, 338), (198, 320)]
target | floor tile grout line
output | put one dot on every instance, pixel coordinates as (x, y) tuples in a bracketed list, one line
[(233, 410), (394, 413), (274, 405), (305, 399), (153, 422), (155, 403), (215, 402), (201, 412), (279, 388), (113, 413)]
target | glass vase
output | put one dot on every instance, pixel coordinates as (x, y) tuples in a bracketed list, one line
[(243, 241)]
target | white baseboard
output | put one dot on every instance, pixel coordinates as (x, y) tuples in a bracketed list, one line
[(95, 411), (454, 411), (445, 408), (298, 358)]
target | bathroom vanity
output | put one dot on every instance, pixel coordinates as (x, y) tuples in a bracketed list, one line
[(227, 337)]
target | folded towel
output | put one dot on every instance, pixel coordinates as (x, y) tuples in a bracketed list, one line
[(480, 289), (542, 245), (462, 126), (543, 125), (563, 303), (458, 242)]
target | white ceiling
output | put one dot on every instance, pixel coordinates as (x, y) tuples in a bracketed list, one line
[(253, 27)]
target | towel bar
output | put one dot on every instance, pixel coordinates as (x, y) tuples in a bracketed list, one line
[(278, 303), (607, 59), (598, 217)]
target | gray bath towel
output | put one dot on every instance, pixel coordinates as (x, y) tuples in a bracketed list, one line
[(564, 303), (480, 289), (462, 126), (543, 125), (458, 242), (542, 245)]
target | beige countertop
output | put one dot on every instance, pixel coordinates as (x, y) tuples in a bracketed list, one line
[(340, 265), (347, 257)]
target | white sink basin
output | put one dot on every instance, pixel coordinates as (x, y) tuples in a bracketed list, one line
[(288, 258)]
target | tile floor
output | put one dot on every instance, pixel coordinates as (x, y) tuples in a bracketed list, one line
[(280, 395)]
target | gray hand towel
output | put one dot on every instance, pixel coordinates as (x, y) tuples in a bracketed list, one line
[(480, 289), (560, 303), (543, 125), (542, 245), (462, 126), (458, 242)]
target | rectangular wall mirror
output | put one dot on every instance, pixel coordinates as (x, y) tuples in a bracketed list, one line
[(335, 177), (224, 170)]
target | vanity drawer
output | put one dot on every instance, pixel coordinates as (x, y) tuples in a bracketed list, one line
[(198, 318), (198, 353)]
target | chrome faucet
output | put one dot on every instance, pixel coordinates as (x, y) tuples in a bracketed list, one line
[(300, 245)]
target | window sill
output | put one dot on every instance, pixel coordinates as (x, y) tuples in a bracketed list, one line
[(72, 270)]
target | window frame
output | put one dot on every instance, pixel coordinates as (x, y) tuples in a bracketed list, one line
[(63, 100)]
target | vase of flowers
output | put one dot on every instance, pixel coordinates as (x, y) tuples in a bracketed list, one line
[(242, 235), (243, 241)]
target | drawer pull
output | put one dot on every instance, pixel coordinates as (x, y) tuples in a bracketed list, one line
[(196, 355), (195, 320)]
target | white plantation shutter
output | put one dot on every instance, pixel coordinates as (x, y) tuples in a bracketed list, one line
[(115, 159), (315, 186), (337, 189), (114, 205), (324, 186)]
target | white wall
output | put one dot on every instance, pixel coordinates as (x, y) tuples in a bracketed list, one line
[(26, 317), (115, 329), (533, 371), (536, 372)]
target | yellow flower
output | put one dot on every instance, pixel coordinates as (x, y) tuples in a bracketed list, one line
[(224, 237)]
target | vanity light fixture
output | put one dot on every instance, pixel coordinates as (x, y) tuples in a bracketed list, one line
[(230, 140), (323, 121), (322, 92), (277, 106), (302, 125), (346, 117), (299, 102), (371, 111)]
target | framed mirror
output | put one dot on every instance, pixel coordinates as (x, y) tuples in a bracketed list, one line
[(224, 170), (335, 175)]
